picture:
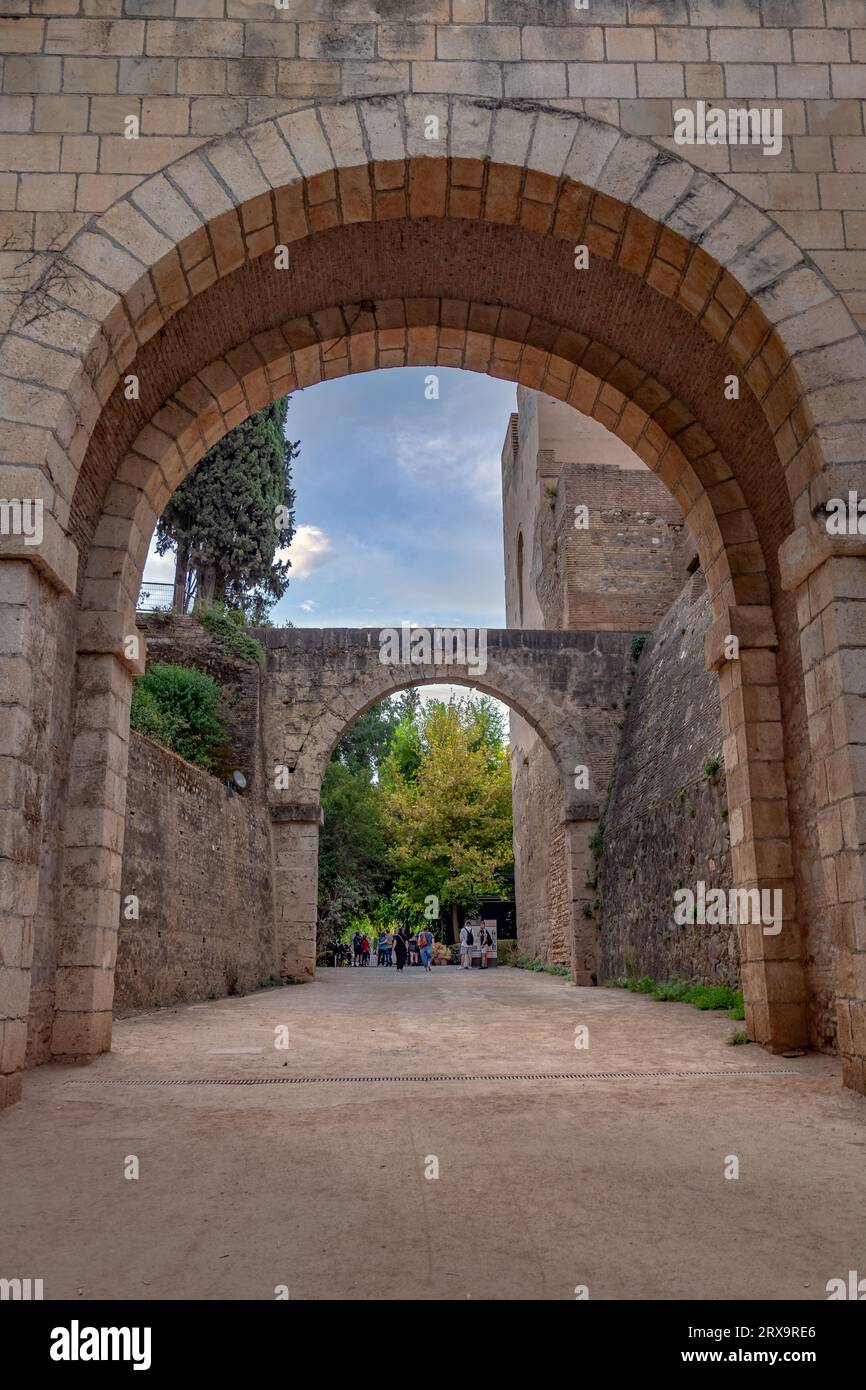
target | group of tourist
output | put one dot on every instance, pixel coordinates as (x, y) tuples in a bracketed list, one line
[(401, 947), (394, 948)]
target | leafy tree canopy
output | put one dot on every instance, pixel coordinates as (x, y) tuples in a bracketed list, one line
[(449, 820), (417, 802)]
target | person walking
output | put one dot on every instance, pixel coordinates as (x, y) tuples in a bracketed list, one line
[(356, 949), (486, 942), (425, 941), (467, 941), (400, 948), (365, 950)]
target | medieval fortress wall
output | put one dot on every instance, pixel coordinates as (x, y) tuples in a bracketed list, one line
[(628, 564), (593, 542)]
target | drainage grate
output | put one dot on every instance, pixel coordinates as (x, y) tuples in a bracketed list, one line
[(434, 1076)]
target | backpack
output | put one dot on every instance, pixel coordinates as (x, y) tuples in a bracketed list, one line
[(470, 939)]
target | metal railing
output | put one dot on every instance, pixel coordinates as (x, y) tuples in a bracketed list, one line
[(152, 596)]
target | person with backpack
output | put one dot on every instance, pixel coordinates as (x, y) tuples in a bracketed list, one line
[(467, 941), (486, 942), (425, 941), (357, 958)]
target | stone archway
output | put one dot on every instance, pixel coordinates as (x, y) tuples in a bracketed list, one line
[(318, 682), (688, 283)]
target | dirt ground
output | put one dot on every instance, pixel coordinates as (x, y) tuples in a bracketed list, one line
[(613, 1183)]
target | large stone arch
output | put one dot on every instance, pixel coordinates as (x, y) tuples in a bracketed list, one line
[(676, 257)]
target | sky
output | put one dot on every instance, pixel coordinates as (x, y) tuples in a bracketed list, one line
[(398, 509)]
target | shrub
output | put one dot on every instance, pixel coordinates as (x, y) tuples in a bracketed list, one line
[(147, 717), (682, 992), (642, 986), (524, 962), (711, 767), (228, 630), (711, 997), (178, 707), (738, 1038), (672, 991)]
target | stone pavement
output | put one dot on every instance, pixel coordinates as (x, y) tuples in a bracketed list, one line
[(616, 1183)]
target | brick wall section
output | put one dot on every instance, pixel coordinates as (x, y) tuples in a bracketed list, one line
[(192, 69), (199, 863)]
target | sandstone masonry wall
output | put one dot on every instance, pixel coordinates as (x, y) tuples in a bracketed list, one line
[(193, 69), (198, 860), (620, 574), (664, 822)]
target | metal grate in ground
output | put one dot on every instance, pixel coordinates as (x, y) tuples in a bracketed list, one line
[(422, 1078)]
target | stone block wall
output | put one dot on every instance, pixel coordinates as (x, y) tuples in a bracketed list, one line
[(197, 857), (618, 575), (552, 862), (624, 567), (540, 865), (188, 70), (665, 819), (198, 861), (47, 928)]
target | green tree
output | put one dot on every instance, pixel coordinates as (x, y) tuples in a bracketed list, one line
[(231, 515), (366, 743), (448, 819), (354, 864)]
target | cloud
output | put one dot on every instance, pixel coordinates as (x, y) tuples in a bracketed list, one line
[(461, 462), (159, 569), (311, 548), (308, 605)]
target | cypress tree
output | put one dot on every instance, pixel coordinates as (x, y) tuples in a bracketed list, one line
[(229, 517)]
